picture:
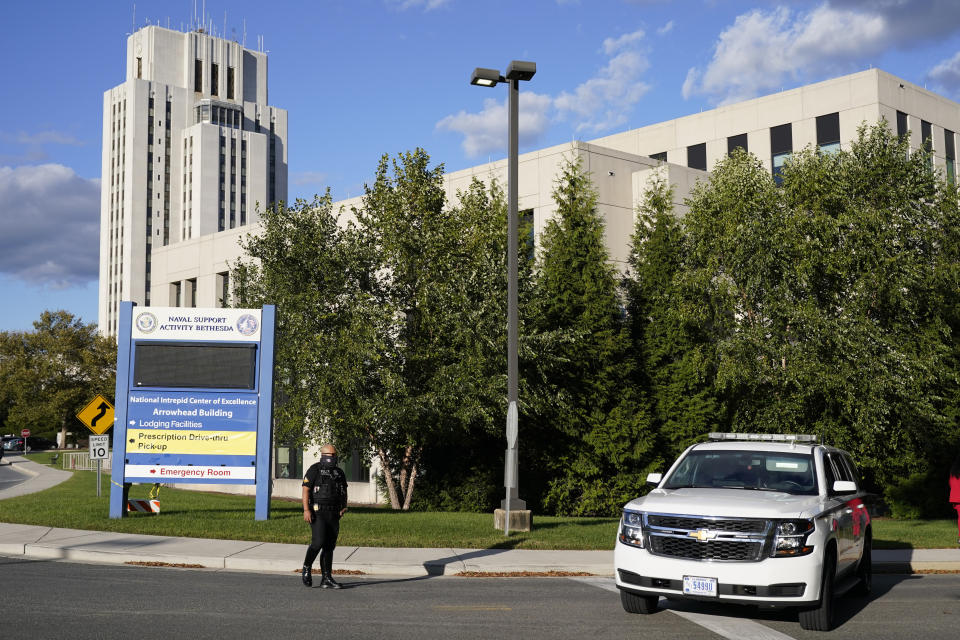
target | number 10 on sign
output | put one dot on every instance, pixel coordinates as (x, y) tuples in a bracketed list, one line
[(99, 450)]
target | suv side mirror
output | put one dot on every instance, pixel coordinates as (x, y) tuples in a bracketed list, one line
[(844, 486), (653, 479)]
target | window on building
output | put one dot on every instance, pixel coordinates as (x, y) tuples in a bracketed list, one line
[(950, 152), (223, 289), (737, 142), (230, 83), (781, 147), (659, 157), (198, 75), (697, 156), (176, 294), (192, 292), (214, 79), (139, 67), (289, 461), (828, 133), (926, 134), (352, 465), (902, 129)]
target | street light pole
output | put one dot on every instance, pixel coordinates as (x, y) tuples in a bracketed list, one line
[(516, 71)]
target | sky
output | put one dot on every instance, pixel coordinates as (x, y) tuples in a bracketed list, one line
[(363, 78)]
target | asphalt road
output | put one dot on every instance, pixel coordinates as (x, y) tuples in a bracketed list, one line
[(9, 477), (43, 599)]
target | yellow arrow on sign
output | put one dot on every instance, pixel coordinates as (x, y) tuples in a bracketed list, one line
[(98, 415)]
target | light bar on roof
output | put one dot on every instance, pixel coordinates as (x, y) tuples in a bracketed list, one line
[(764, 437)]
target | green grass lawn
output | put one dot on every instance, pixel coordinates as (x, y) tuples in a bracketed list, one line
[(74, 504)]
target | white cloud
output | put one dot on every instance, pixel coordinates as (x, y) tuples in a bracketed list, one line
[(49, 225), (947, 74), (665, 29), (426, 5), (764, 50), (486, 131), (40, 138), (626, 41), (606, 100), (309, 177), (599, 103)]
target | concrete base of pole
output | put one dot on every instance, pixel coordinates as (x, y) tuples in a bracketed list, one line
[(520, 520)]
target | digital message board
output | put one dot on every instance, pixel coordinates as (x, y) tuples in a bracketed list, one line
[(194, 396)]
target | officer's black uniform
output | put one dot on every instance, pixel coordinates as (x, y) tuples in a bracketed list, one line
[(327, 485)]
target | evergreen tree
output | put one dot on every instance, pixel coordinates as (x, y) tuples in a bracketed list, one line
[(602, 421), (670, 334)]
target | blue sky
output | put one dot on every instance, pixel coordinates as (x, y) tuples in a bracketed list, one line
[(361, 78)]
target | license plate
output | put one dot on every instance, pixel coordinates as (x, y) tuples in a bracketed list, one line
[(697, 586)]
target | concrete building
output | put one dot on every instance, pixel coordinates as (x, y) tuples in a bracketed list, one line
[(190, 268), (191, 150), (825, 115)]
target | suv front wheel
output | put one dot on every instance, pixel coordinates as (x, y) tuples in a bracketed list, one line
[(820, 617), (632, 603)]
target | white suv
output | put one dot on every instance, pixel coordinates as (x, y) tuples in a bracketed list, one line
[(753, 519)]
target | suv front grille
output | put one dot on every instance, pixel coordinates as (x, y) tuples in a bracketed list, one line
[(709, 539), (693, 523), (713, 550)]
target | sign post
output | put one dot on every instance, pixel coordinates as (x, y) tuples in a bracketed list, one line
[(25, 433), (99, 451), (98, 417)]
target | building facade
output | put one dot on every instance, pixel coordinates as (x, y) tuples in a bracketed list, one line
[(191, 150)]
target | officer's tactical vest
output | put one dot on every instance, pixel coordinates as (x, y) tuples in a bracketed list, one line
[(326, 490)]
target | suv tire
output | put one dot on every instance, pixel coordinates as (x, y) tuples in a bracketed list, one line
[(820, 617), (633, 603)]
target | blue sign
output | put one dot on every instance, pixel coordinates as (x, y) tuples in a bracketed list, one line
[(194, 396)]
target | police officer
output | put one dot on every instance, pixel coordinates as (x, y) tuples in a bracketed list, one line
[(324, 502)]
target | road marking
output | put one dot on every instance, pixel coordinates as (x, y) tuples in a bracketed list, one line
[(455, 607), (732, 628)]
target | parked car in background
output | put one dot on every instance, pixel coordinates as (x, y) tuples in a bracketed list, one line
[(34, 443)]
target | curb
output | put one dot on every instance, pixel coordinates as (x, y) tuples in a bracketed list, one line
[(26, 470)]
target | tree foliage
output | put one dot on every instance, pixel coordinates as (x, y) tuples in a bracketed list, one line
[(822, 305), (386, 323), (603, 420), (671, 328), (52, 372)]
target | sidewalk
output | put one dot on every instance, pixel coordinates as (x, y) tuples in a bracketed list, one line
[(101, 547)]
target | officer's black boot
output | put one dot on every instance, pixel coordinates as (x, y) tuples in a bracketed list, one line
[(306, 576), (328, 582)]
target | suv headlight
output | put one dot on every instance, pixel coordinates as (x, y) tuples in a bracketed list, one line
[(631, 529), (791, 538)]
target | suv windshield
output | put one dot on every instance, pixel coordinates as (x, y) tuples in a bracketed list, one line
[(759, 470)]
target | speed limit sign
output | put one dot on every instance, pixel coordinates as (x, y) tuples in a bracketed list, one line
[(99, 447)]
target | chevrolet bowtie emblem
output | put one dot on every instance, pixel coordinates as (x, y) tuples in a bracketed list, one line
[(703, 535)]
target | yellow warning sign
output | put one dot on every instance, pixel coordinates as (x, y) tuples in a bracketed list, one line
[(187, 441), (97, 416)]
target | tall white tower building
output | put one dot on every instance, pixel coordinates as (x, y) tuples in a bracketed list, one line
[(191, 153)]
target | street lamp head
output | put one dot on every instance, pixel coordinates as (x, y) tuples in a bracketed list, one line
[(485, 77), (520, 70)]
